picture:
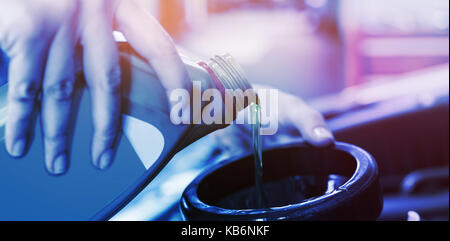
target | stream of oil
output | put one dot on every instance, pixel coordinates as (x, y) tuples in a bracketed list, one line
[(276, 193), (255, 115)]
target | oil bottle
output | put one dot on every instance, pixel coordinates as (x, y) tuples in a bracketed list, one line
[(146, 121)]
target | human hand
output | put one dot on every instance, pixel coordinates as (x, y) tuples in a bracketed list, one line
[(294, 118), (40, 37)]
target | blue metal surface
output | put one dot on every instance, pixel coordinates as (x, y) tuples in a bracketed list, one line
[(28, 192)]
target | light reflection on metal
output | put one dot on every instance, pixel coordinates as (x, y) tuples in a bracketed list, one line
[(413, 216)]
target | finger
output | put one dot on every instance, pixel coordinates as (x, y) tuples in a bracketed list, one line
[(56, 103), (24, 76), (311, 125), (102, 72), (149, 39)]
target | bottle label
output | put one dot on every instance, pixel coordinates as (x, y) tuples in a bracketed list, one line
[(138, 133)]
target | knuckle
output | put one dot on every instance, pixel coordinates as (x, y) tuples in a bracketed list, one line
[(23, 23), (104, 133), (95, 5), (109, 81), (31, 24), (69, 6), (30, 27), (106, 126), (24, 92), (27, 34), (66, 9), (60, 91), (53, 136)]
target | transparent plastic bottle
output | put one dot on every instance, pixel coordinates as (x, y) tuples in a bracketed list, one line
[(29, 193), (146, 116)]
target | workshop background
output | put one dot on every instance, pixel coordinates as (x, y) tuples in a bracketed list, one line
[(377, 69)]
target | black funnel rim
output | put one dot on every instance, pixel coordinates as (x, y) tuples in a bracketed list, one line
[(364, 182)]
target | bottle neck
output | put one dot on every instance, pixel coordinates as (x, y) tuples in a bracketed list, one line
[(229, 72), (228, 77)]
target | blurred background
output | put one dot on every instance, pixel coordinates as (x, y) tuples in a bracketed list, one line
[(312, 47), (377, 69)]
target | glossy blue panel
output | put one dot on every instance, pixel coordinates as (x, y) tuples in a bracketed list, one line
[(3, 68), (28, 192)]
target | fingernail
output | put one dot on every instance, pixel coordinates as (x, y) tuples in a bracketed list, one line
[(105, 159), (59, 164), (18, 147), (322, 133)]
